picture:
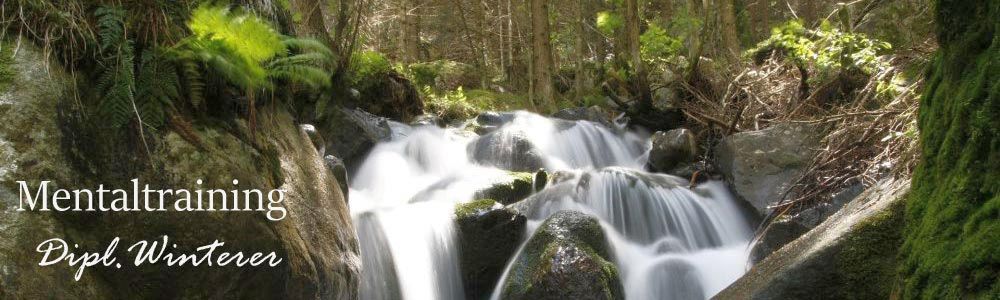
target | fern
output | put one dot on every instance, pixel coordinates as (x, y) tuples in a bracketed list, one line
[(117, 82)]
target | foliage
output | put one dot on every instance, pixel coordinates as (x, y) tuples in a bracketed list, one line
[(827, 49), (609, 21), (460, 104), (657, 45), (366, 67), (249, 53)]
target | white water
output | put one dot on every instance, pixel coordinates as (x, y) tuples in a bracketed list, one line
[(669, 241)]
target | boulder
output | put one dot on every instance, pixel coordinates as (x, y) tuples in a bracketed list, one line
[(390, 95), (495, 119), (506, 149), (567, 258), (514, 188), (42, 140), (787, 228), (339, 170), (314, 137), (350, 134), (593, 114), (30, 150), (427, 120), (488, 235), (446, 75), (851, 255), (760, 166), (672, 150)]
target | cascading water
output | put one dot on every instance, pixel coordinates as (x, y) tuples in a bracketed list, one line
[(669, 241)]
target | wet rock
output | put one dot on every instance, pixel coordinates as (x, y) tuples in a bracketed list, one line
[(540, 181), (314, 137), (488, 235), (339, 170), (508, 150), (762, 165), (390, 95), (851, 255), (781, 231), (380, 280), (514, 188), (428, 120), (350, 134), (787, 228), (566, 258), (492, 118), (672, 150), (593, 114), (676, 279)]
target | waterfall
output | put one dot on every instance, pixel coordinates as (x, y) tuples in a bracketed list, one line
[(668, 240)]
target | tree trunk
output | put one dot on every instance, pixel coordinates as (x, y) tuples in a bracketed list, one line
[(580, 78), (730, 37), (411, 30), (543, 93), (640, 84), (952, 229), (312, 23), (760, 18)]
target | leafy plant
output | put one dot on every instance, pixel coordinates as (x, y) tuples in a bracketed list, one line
[(656, 44), (249, 53), (826, 48), (609, 21)]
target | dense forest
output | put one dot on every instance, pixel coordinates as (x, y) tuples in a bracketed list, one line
[(464, 138)]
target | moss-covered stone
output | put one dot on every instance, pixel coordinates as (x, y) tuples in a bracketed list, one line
[(567, 258), (851, 255), (953, 217), (6, 65), (488, 236), (517, 187)]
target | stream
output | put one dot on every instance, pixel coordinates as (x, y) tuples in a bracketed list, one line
[(669, 241)]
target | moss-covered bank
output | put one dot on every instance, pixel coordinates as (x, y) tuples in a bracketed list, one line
[(952, 247)]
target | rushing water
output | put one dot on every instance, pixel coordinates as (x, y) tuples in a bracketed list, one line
[(669, 241)]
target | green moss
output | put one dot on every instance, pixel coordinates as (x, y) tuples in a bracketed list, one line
[(6, 66), (517, 187), (953, 232), (868, 262), (473, 207)]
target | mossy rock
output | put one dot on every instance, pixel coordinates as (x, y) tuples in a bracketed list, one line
[(516, 187), (851, 255), (567, 258), (488, 236), (953, 215)]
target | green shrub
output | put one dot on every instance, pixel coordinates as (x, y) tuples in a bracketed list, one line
[(366, 67), (657, 45), (827, 48)]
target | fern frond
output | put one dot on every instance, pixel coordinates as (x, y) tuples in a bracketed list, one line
[(309, 45)]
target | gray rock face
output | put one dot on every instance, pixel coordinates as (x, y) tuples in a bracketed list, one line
[(790, 227), (29, 150), (495, 119), (488, 236), (593, 114), (508, 150), (672, 149), (567, 258), (350, 134), (851, 255), (339, 170), (762, 165)]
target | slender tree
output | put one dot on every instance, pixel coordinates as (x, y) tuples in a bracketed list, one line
[(730, 37), (640, 84), (410, 30), (543, 93)]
